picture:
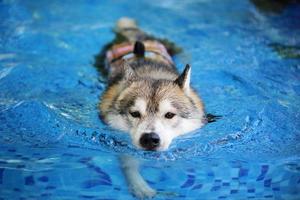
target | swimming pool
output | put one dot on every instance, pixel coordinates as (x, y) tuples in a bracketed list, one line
[(245, 59)]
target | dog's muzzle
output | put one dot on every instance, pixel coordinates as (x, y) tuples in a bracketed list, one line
[(150, 141)]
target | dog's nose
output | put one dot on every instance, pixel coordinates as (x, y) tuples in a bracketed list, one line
[(150, 141)]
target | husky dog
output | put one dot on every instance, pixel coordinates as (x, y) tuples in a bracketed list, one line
[(146, 96)]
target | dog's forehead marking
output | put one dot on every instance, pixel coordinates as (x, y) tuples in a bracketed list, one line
[(140, 105)]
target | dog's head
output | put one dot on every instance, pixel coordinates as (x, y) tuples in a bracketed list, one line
[(155, 111)]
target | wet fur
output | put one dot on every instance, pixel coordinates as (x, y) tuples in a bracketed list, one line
[(153, 88)]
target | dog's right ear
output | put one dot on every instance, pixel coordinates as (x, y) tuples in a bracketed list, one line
[(128, 72), (183, 80)]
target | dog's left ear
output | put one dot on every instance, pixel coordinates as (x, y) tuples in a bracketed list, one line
[(184, 79)]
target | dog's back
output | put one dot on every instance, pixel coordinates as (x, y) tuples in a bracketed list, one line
[(147, 56)]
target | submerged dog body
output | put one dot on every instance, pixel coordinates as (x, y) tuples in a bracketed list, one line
[(146, 96)]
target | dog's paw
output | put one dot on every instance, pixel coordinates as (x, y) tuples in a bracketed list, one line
[(143, 192)]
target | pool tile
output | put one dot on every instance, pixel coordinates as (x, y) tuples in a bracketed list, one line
[(268, 182), (233, 191), (198, 186), (29, 180), (226, 184), (1, 175), (43, 179), (215, 188), (264, 171), (251, 190), (189, 182), (95, 182), (243, 172)]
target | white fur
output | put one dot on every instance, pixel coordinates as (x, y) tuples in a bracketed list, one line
[(166, 106), (162, 126), (117, 122), (140, 105), (137, 131)]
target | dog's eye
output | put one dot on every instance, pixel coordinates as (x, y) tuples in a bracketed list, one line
[(135, 114), (169, 115)]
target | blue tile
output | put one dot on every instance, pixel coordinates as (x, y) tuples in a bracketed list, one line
[(268, 196), (94, 183), (211, 174), (215, 188), (251, 190), (276, 189), (189, 182), (162, 177), (264, 170), (85, 160), (191, 170), (117, 188), (233, 191), (243, 172), (1, 175), (20, 166), (100, 172), (198, 186), (268, 182), (103, 175), (43, 179), (150, 182), (70, 155), (50, 187), (87, 196), (29, 180), (46, 194), (226, 184)]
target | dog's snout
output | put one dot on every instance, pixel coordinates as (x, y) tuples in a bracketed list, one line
[(150, 141)]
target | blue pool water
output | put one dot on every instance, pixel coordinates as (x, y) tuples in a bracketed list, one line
[(246, 65)]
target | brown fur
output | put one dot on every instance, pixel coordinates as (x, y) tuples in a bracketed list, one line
[(151, 81)]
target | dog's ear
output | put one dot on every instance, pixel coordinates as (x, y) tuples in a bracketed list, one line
[(139, 49), (128, 72), (184, 79)]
